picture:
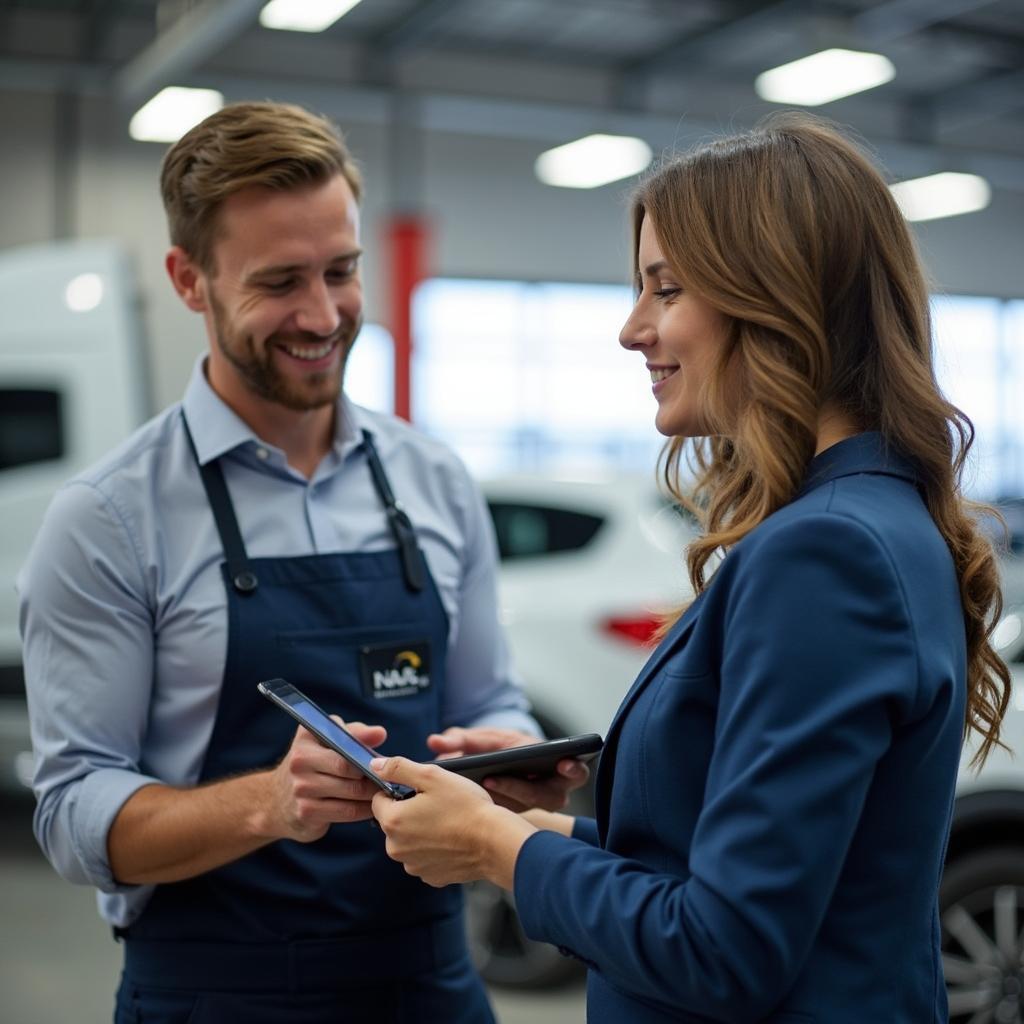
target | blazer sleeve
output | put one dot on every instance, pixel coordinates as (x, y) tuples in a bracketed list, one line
[(585, 829), (818, 660)]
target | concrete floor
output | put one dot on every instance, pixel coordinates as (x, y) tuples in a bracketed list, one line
[(59, 965)]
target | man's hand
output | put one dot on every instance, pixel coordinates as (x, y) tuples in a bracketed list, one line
[(450, 831), (314, 787), (166, 834), (551, 794)]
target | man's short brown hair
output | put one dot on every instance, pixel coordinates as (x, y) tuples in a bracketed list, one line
[(273, 145)]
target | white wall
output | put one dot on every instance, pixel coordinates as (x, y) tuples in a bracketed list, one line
[(491, 217)]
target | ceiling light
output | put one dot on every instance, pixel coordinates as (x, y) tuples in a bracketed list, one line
[(823, 77), (172, 112), (592, 161), (941, 195), (304, 15)]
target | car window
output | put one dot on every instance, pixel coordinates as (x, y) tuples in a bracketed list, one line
[(31, 426), (528, 531)]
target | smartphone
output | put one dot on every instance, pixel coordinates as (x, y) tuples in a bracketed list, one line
[(328, 732), (532, 761)]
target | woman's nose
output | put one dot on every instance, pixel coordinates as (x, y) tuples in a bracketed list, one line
[(636, 333)]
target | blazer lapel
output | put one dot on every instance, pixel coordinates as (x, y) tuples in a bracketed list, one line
[(673, 640)]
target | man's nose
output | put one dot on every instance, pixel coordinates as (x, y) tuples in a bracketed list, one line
[(319, 312)]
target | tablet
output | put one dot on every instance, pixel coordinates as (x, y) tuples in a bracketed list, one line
[(533, 761)]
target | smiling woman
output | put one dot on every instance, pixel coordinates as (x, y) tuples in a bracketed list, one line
[(775, 794), (679, 333)]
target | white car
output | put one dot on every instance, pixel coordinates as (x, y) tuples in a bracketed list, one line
[(586, 568), (588, 571), (589, 568)]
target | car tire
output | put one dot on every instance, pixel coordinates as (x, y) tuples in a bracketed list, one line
[(981, 908)]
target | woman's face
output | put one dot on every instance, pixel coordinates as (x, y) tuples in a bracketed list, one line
[(679, 336)]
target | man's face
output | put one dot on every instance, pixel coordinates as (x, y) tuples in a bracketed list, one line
[(284, 300)]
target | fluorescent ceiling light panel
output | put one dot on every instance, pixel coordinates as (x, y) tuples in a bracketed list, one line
[(172, 112), (592, 161), (941, 195), (304, 15), (823, 77)]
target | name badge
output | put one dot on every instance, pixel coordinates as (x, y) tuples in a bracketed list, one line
[(395, 670)]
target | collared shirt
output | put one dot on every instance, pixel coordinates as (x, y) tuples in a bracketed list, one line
[(124, 615)]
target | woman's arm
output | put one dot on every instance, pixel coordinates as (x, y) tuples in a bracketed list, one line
[(819, 654)]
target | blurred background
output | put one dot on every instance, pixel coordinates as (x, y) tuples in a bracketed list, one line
[(496, 280)]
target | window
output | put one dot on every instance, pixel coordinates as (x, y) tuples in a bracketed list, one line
[(979, 362), (31, 426), (370, 369), (530, 377), (528, 531)]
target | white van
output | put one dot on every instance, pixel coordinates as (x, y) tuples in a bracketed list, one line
[(73, 383)]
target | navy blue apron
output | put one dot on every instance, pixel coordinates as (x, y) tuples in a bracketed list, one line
[(333, 930)]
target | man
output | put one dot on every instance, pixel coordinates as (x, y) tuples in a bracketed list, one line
[(255, 531)]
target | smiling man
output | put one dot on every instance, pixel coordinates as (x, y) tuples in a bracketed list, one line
[(254, 530)]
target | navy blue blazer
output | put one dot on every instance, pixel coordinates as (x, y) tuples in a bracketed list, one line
[(774, 798)]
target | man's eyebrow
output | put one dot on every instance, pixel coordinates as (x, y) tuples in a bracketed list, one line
[(290, 268)]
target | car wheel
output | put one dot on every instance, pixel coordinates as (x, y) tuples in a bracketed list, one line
[(981, 904)]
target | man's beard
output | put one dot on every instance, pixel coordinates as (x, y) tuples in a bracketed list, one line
[(256, 365)]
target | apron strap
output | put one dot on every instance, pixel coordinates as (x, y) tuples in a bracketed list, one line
[(401, 526), (243, 579)]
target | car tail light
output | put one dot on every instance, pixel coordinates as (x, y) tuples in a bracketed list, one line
[(634, 629)]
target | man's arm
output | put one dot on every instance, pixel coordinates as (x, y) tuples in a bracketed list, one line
[(164, 834), (88, 626)]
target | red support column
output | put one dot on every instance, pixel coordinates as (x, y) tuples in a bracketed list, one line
[(407, 239)]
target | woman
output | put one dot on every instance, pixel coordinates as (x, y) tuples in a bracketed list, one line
[(774, 796)]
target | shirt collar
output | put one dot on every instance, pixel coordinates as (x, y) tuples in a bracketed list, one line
[(217, 429), (862, 453)]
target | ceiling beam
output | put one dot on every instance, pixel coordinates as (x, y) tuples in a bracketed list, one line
[(543, 123), (547, 123), (978, 101), (197, 35), (897, 18), (97, 17), (415, 28), (744, 18), (53, 75)]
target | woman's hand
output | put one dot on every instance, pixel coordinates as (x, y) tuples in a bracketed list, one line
[(451, 831)]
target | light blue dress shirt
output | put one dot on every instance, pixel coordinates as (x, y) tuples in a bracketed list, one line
[(124, 615)]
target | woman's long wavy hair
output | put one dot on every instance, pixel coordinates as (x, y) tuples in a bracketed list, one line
[(791, 232)]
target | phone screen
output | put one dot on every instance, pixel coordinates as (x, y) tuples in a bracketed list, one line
[(328, 731), (309, 712)]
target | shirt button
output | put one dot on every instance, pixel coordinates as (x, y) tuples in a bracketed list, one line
[(263, 454)]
